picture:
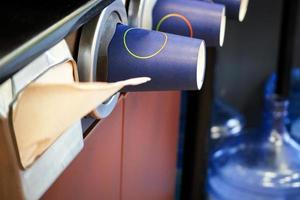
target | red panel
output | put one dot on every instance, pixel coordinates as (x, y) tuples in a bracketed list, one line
[(151, 125), (96, 173)]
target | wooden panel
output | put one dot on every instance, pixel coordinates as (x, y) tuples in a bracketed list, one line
[(151, 123), (96, 173)]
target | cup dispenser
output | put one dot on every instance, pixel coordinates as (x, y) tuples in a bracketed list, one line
[(93, 47), (40, 111), (172, 62), (27, 179), (196, 19)]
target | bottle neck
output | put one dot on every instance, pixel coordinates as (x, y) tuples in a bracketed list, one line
[(279, 117)]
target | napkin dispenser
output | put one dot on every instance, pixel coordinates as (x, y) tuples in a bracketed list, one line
[(30, 180), (40, 111)]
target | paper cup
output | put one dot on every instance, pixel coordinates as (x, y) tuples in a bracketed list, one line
[(196, 19), (235, 9), (172, 62)]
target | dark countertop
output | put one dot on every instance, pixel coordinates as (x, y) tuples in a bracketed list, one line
[(29, 28)]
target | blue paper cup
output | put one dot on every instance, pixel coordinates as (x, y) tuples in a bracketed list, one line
[(196, 19), (172, 62), (235, 9)]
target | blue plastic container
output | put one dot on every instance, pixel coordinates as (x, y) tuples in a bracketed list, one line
[(260, 165)]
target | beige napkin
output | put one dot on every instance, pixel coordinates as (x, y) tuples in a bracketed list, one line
[(45, 110)]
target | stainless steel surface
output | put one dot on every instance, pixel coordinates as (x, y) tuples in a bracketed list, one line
[(134, 11), (140, 13), (92, 57)]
